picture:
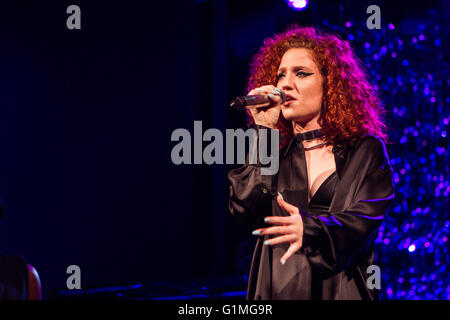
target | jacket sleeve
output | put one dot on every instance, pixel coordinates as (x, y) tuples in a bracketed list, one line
[(334, 242), (250, 192)]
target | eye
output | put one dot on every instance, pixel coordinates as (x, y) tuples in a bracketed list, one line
[(279, 76), (303, 74)]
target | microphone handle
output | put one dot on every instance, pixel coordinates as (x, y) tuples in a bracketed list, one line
[(248, 102)]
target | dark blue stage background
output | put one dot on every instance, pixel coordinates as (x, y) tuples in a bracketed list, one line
[(86, 119)]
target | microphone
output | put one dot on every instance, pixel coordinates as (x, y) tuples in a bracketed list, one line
[(247, 102)]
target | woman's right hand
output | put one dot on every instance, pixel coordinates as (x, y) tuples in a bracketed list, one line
[(268, 116)]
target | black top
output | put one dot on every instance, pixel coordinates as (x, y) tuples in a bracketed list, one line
[(340, 223), (321, 200)]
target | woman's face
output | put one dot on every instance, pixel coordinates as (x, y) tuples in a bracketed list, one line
[(299, 77)]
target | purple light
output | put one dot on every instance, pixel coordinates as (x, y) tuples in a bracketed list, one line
[(330, 221), (297, 4), (348, 24), (378, 199), (396, 178), (421, 37), (391, 26)]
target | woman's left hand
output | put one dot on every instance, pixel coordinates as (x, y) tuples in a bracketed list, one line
[(290, 228)]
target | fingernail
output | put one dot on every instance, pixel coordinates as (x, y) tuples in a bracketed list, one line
[(267, 242), (283, 262), (281, 196), (266, 220), (271, 95), (256, 233)]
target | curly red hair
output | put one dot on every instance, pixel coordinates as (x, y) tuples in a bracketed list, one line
[(351, 108)]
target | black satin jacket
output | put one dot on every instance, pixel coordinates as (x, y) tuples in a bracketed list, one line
[(337, 247)]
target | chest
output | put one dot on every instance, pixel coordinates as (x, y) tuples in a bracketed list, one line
[(320, 164)]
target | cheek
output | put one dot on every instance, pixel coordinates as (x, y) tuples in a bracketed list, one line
[(311, 89)]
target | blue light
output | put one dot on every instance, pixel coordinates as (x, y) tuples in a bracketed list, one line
[(234, 294), (298, 4)]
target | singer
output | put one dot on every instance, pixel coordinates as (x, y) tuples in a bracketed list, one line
[(316, 219)]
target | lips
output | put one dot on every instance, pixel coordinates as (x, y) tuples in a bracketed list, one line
[(289, 99)]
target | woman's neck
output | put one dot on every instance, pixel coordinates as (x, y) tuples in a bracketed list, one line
[(309, 126)]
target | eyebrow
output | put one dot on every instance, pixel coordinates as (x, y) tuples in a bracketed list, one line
[(294, 68)]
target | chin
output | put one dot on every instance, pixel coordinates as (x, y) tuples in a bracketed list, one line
[(287, 114), (291, 115)]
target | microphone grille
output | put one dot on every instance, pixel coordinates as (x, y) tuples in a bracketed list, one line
[(281, 94)]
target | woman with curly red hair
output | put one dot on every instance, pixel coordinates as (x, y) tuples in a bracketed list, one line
[(317, 218)]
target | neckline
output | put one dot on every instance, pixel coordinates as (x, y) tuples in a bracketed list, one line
[(322, 184), (301, 136)]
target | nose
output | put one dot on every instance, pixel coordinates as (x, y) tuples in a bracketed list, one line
[(286, 83)]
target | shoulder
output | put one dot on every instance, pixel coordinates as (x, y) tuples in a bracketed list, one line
[(34, 284), (371, 148), (363, 154), (370, 142)]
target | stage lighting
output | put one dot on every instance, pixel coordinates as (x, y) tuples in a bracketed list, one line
[(297, 4)]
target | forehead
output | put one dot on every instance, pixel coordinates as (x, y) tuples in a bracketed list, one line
[(297, 57)]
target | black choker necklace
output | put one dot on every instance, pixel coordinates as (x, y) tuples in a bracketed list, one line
[(304, 136), (309, 135)]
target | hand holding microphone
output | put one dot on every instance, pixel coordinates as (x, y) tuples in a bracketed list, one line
[(264, 103)]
